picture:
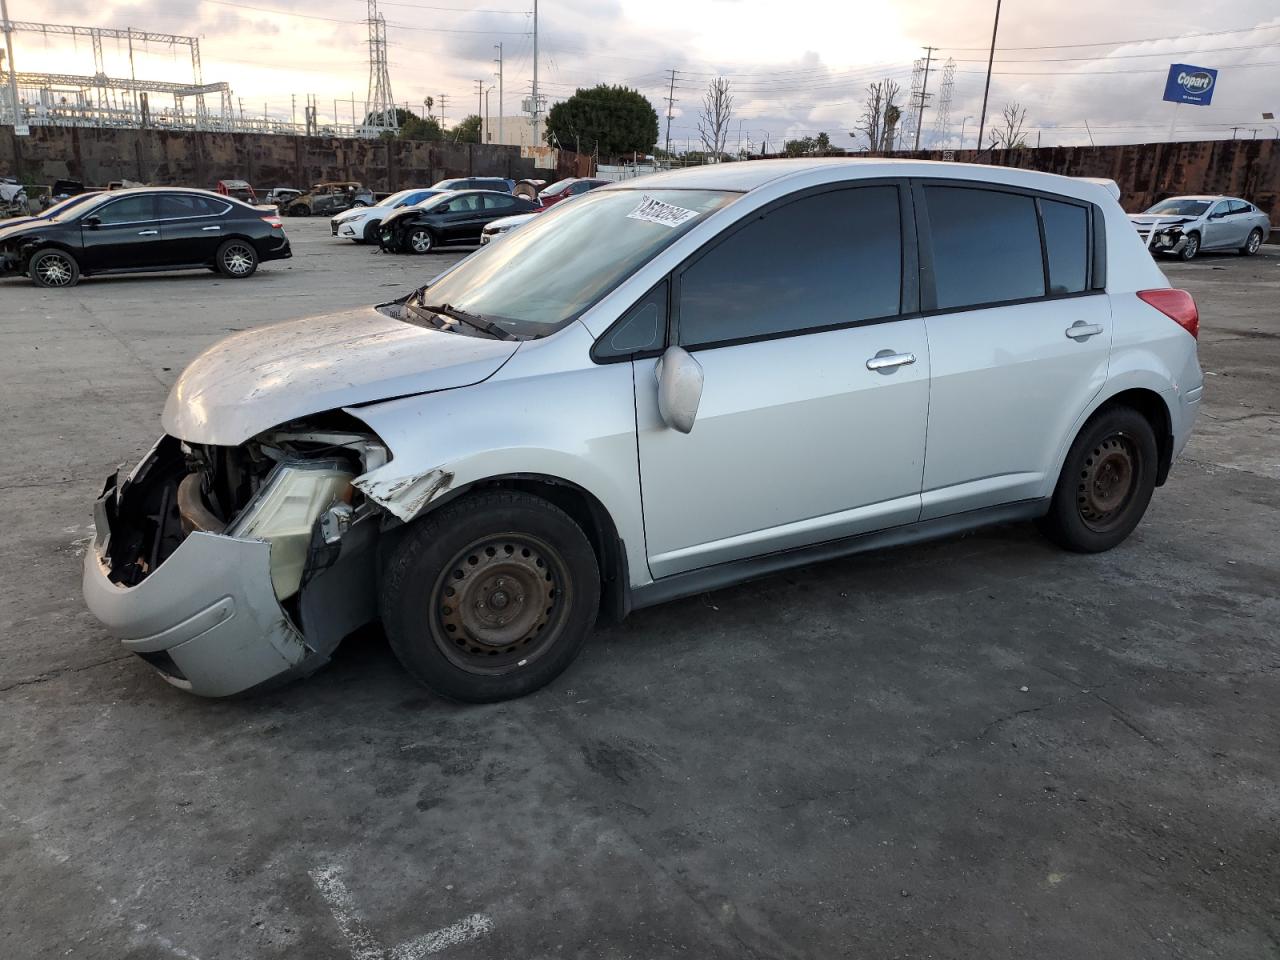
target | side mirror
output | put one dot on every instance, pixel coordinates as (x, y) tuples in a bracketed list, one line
[(679, 388), (93, 223)]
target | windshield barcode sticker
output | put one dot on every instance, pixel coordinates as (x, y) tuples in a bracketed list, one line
[(655, 211)]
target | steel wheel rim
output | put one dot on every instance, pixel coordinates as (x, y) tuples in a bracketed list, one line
[(238, 259), (420, 240), (54, 271), (1107, 483), (499, 604)]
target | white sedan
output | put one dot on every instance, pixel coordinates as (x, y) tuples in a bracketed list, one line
[(361, 223), (500, 228)]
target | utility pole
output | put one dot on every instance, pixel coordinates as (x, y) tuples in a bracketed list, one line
[(1234, 131), (924, 93), (443, 98), (488, 133), (536, 139), (671, 102), (982, 122), (13, 73), (293, 111), (480, 105), (1088, 131), (499, 61)]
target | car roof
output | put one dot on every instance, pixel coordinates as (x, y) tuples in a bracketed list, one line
[(1200, 196), (746, 175)]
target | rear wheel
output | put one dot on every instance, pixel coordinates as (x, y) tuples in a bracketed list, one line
[(1191, 248), (1105, 484), (420, 240), (54, 268), (299, 210), (491, 597), (236, 259), (1252, 244)]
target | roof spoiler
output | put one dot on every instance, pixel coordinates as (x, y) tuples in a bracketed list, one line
[(1105, 183)]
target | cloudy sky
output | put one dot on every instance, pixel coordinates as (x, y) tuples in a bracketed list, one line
[(795, 69)]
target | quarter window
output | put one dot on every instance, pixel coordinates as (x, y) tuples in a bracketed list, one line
[(1066, 240), (820, 261), (986, 246)]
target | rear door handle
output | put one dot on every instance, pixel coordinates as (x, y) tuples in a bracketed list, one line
[(1083, 331), (210, 228), (887, 360), (147, 233)]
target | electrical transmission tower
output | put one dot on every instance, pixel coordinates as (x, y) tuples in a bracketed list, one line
[(379, 107), (911, 115), (942, 119)]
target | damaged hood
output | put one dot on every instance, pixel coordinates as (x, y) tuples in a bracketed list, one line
[(261, 378)]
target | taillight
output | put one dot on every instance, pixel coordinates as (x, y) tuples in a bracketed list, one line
[(1177, 305), (275, 222)]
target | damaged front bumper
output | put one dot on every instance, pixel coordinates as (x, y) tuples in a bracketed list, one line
[(206, 617)]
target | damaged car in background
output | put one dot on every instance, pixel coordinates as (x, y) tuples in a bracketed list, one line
[(1187, 226), (465, 463)]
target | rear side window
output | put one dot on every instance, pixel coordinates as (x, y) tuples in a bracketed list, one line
[(820, 261), (177, 205), (1238, 206), (1066, 243), (492, 202), (986, 246)]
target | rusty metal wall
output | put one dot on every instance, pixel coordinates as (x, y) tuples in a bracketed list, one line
[(1148, 172), (169, 158)]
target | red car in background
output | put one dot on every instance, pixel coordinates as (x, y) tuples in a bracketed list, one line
[(563, 189)]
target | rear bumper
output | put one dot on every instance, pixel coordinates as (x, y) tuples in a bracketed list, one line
[(276, 249)]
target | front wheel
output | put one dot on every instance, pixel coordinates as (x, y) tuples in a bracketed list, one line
[(421, 240), (1191, 248), (1252, 244), (1105, 484), (372, 230), (54, 268), (236, 259), (491, 597)]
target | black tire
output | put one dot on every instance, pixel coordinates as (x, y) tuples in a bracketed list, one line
[(1192, 248), (1106, 482), (53, 268), (1252, 244), (236, 259), (371, 230), (419, 240), (299, 210), (459, 571)]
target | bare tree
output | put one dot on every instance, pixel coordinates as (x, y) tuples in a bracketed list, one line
[(717, 111), (1009, 135), (881, 107)]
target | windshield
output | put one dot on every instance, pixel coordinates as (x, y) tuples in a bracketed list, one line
[(397, 198), (62, 207), (564, 260), (556, 187), (1180, 208)]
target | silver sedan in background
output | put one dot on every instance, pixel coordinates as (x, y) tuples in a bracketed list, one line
[(1185, 226)]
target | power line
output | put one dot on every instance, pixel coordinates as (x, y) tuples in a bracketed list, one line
[(315, 16), (1119, 43)]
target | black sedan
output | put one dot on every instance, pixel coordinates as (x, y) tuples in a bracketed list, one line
[(451, 218), (142, 230)]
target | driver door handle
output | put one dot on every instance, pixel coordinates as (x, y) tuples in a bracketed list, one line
[(147, 233), (1083, 331), (210, 228), (885, 360)]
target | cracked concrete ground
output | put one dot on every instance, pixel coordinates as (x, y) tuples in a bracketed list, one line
[(979, 748)]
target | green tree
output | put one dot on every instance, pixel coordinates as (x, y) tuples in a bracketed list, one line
[(402, 117), (620, 120), (467, 130), (418, 128)]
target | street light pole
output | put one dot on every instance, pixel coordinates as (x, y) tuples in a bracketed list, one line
[(500, 137), (8, 46), (986, 90)]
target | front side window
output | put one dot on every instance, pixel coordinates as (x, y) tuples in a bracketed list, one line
[(561, 262), (986, 246), (127, 209), (824, 260), (1066, 241)]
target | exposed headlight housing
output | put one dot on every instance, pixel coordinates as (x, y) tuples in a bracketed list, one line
[(285, 511)]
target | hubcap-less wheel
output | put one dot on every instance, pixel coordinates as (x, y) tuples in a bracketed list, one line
[(1255, 241), (237, 259), (500, 603), (55, 270), (1192, 248), (1107, 482), (420, 241)]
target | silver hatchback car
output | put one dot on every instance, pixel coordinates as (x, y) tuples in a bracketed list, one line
[(1187, 226), (664, 387)]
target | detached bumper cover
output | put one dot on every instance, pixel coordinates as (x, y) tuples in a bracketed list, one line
[(206, 618)]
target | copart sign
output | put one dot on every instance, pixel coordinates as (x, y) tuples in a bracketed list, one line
[(1188, 84)]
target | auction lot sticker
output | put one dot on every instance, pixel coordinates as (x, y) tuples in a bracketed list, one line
[(655, 211)]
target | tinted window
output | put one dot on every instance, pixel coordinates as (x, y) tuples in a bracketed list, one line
[(642, 329), (1066, 239), (128, 209), (465, 204), (1239, 206), (820, 261), (986, 246), (189, 205), (499, 203)]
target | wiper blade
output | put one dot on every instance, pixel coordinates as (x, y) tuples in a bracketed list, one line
[(480, 323)]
